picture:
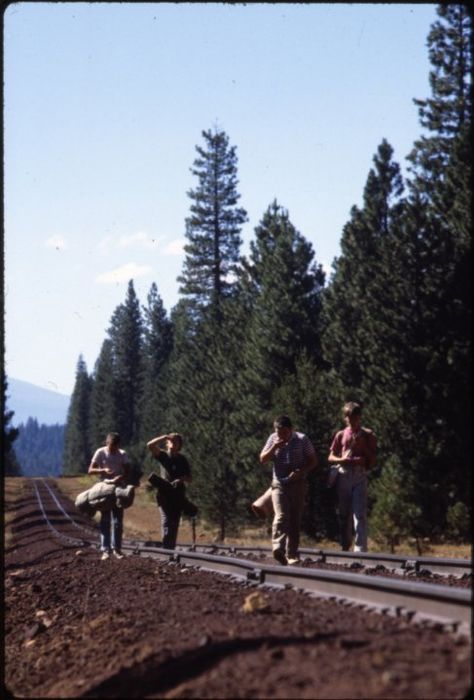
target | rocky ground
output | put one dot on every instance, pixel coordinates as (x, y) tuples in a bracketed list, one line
[(79, 627)]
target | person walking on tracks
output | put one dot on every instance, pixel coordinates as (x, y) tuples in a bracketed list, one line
[(112, 464), (175, 469), (352, 453), (293, 457)]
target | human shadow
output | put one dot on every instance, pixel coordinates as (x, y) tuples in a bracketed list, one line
[(149, 676)]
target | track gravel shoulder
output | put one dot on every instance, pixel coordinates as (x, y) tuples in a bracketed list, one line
[(79, 627)]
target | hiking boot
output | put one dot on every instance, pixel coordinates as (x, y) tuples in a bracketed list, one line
[(294, 562), (105, 556), (117, 554), (280, 556)]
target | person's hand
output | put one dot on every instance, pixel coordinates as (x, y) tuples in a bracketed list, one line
[(279, 443), (107, 471)]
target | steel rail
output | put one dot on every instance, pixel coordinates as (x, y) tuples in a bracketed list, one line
[(76, 524), (400, 563), (421, 602), (72, 540), (438, 565)]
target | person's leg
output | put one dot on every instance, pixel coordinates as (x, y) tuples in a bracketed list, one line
[(280, 521), (173, 525), (359, 509), (105, 531), (344, 501), (296, 495), (169, 528), (117, 529)]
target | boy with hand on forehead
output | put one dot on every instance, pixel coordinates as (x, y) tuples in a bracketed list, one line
[(176, 469)]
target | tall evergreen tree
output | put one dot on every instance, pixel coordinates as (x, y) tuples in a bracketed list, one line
[(214, 224), (437, 257), (199, 398), (10, 434), (77, 447), (157, 346), (448, 111), (125, 333), (104, 400), (281, 287), (353, 312)]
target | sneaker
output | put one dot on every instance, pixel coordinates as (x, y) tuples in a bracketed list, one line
[(105, 555), (294, 562), (280, 556), (117, 554)]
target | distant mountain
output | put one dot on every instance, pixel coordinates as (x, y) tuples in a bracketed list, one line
[(31, 401)]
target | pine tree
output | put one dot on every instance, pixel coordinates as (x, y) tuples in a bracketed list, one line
[(214, 225), (283, 286), (10, 434), (157, 346), (125, 333), (353, 312), (396, 514), (280, 298), (448, 111), (199, 396), (77, 446), (437, 258), (104, 401)]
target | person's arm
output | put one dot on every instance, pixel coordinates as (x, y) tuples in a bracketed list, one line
[(269, 450), (346, 459), (95, 468), (370, 449), (154, 444), (310, 464), (335, 450)]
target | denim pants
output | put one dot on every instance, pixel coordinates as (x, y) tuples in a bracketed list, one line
[(351, 488), (169, 527), (111, 528), (288, 503)]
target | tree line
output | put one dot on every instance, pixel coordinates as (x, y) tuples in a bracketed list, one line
[(258, 335)]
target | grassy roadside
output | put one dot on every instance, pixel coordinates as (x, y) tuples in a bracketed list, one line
[(142, 521)]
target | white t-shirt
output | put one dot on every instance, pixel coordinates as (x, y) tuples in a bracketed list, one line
[(117, 461)]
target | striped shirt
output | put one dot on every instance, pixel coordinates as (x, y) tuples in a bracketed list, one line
[(292, 456)]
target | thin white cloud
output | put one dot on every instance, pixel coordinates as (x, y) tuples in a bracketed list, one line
[(106, 244), (123, 274), (140, 239), (175, 247), (57, 242)]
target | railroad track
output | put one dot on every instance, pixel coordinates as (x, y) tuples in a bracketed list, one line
[(424, 603)]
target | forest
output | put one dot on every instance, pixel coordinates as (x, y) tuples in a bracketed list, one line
[(255, 336)]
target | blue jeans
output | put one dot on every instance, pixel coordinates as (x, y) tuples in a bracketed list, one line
[(351, 488), (169, 527), (111, 528)]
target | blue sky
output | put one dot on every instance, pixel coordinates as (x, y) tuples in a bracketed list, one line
[(104, 104)]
